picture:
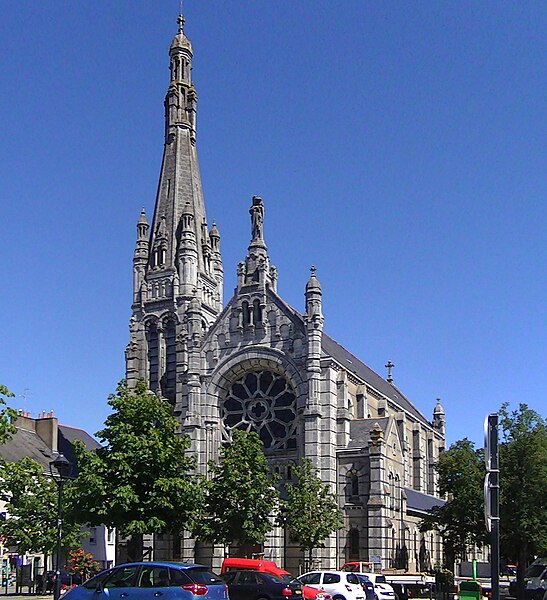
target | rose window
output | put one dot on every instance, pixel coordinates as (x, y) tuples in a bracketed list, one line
[(264, 402)]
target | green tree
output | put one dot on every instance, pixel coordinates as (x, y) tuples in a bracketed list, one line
[(460, 521), (523, 473), (30, 518), (240, 496), (312, 513), (141, 479), (7, 416)]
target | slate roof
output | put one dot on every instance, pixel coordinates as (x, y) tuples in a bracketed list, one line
[(67, 435), (359, 431), (27, 443), (421, 502), (352, 363)]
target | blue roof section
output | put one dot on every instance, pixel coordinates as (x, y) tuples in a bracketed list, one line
[(421, 502)]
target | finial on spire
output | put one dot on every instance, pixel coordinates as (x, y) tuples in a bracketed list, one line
[(312, 270), (180, 20), (389, 365)]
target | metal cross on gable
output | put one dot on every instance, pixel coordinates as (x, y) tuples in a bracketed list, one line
[(389, 365)]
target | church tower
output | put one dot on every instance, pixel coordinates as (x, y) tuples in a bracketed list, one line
[(176, 264)]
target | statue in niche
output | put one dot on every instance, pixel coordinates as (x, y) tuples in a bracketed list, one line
[(257, 217)]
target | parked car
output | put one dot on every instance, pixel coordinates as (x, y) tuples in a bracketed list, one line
[(254, 585), (383, 589), (150, 580), (268, 566), (368, 586), (46, 583), (341, 585), (535, 580)]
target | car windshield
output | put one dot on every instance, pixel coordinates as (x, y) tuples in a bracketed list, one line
[(91, 584), (534, 571)]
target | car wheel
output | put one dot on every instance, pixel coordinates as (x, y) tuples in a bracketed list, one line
[(338, 597)]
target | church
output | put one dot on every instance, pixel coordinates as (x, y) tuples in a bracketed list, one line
[(257, 364)]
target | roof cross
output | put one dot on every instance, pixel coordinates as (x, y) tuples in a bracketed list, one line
[(180, 21), (389, 365)]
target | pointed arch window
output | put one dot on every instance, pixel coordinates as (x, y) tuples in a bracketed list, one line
[(246, 314), (257, 312), (352, 486), (169, 377), (354, 544), (153, 356)]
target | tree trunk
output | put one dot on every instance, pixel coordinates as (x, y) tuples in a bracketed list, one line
[(521, 567), (134, 548)]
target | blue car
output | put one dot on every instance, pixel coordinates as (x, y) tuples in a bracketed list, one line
[(152, 581)]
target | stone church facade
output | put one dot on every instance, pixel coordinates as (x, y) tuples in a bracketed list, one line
[(257, 364)]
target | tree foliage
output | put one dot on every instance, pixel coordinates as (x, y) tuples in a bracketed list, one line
[(312, 512), (523, 473), (7, 416), (30, 518), (460, 520), (240, 496), (523, 510), (140, 480)]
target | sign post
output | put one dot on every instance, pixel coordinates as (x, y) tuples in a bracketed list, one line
[(491, 498)]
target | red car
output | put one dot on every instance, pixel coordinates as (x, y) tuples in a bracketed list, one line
[(268, 566)]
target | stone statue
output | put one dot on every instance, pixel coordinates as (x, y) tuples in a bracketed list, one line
[(257, 218)]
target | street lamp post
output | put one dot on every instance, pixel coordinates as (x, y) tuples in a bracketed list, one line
[(63, 468)]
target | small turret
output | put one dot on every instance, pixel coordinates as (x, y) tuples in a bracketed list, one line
[(187, 255), (439, 419), (314, 335), (314, 300), (257, 263), (216, 262), (140, 256)]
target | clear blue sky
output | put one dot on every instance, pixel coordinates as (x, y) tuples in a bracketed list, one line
[(399, 146)]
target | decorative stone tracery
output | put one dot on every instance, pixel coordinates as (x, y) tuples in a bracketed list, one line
[(265, 402)]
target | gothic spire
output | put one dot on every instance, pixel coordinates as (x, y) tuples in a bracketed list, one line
[(180, 239)]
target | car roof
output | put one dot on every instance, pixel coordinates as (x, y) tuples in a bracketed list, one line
[(163, 563), (330, 571)]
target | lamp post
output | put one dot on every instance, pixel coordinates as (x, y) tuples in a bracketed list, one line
[(63, 468), (283, 510)]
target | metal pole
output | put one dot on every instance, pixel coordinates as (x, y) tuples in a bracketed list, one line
[(495, 508), (57, 582)]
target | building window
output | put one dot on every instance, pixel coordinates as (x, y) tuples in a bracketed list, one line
[(352, 486), (354, 544), (153, 356), (168, 380), (264, 402), (93, 535), (110, 535)]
